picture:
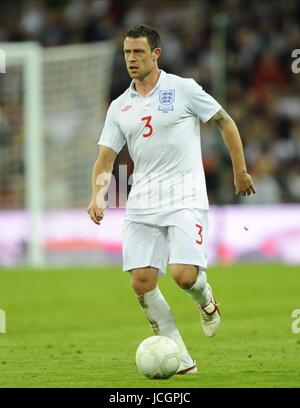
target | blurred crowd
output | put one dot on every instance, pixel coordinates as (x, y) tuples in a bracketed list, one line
[(260, 90)]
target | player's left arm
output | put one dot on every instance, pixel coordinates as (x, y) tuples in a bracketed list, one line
[(242, 180)]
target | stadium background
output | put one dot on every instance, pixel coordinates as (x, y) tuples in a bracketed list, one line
[(242, 55), (254, 42)]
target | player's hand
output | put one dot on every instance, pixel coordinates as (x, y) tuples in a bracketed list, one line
[(95, 212), (243, 184)]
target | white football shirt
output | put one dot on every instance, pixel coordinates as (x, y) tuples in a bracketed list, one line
[(162, 132)]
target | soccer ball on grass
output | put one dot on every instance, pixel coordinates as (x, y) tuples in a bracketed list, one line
[(158, 357)]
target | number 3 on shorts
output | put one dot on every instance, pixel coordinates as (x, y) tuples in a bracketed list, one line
[(199, 240)]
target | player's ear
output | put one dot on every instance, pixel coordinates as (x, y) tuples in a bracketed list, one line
[(156, 54)]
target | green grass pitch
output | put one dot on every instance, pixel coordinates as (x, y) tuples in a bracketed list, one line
[(81, 327)]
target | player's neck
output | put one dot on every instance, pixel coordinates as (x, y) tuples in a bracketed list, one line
[(144, 86)]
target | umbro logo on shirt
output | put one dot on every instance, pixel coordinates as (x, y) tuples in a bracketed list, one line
[(126, 108)]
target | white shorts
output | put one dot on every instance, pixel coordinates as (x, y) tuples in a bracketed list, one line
[(153, 240)]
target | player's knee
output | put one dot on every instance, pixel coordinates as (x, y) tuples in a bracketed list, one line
[(185, 282), (185, 277), (143, 281), (141, 286)]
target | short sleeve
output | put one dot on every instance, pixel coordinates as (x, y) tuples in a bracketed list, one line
[(200, 103), (111, 135)]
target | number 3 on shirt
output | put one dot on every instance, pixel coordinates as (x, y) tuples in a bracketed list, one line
[(148, 125)]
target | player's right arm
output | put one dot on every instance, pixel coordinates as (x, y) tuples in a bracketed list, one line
[(101, 176), (111, 142)]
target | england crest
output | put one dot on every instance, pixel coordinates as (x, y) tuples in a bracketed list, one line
[(166, 100)]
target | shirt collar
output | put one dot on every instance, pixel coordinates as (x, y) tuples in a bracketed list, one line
[(158, 84)]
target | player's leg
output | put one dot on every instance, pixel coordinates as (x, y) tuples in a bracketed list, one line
[(145, 256), (193, 281), (144, 280), (188, 263), (156, 309)]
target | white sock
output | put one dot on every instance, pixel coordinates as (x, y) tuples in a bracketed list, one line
[(199, 292), (162, 320)]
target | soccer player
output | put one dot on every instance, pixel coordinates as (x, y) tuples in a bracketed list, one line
[(158, 117)]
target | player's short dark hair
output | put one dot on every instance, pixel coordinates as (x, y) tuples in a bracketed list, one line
[(143, 30)]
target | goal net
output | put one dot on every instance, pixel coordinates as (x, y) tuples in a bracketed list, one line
[(52, 107)]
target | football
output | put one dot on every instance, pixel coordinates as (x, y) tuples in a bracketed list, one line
[(158, 357)]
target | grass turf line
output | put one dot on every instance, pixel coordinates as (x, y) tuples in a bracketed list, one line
[(81, 328)]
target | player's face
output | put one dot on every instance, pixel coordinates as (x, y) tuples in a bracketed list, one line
[(140, 59)]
